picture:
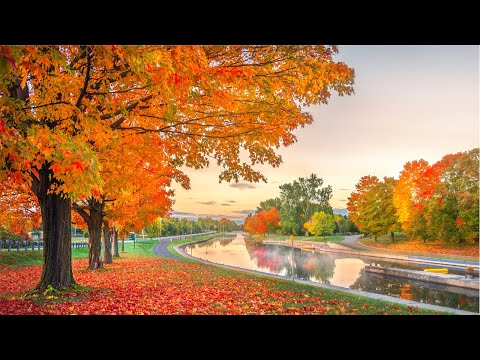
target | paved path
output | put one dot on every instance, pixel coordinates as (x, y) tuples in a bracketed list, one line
[(351, 241), (161, 250)]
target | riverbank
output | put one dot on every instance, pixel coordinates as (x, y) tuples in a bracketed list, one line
[(140, 283)]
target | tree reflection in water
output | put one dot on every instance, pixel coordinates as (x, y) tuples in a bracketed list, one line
[(306, 264)]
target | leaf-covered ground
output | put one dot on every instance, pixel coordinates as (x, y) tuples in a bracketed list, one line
[(431, 247), (146, 285)]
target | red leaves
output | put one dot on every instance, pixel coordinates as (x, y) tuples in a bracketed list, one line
[(95, 192), (2, 126), (77, 165), (175, 79), (459, 222), (139, 285)]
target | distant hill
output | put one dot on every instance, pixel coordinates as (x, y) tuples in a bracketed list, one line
[(340, 211)]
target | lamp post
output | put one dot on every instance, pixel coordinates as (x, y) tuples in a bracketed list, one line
[(291, 257)]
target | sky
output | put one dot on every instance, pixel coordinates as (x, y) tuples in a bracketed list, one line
[(410, 103)]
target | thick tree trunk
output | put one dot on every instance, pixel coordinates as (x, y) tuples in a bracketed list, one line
[(107, 244), (56, 222), (115, 242), (392, 234)]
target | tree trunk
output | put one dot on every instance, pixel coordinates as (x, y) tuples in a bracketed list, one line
[(115, 242), (375, 238), (392, 234), (94, 239), (94, 220), (123, 244), (107, 245), (56, 222)]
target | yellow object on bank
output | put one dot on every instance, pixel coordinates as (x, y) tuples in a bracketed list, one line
[(441, 271)]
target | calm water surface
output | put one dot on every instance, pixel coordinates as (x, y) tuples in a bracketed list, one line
[(329, 268)]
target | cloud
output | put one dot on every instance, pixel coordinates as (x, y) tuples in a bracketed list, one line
[(225, 204), (245, 212), (242, 186), (231, 201), (345, 189), (206, 202), (181, 213)]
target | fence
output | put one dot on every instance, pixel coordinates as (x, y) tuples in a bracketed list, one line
[(10, 245)]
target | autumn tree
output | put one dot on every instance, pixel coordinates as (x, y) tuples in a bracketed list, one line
[(227, 224), (131, 186), (380, 212), (358, 202), (414, 193), (406, 194), (265, 221), (320, 224), (371, 206), (452, 211), (196, 102)]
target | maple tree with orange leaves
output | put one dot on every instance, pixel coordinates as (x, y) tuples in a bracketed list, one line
[(60, 104), (264, 222)]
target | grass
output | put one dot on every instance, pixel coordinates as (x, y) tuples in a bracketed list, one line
[(142, 248), (276, 237)]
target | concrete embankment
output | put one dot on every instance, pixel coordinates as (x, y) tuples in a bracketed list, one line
[(446, 279)]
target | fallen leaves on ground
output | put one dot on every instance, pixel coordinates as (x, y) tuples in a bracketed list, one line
[(136, 285), (436, 247)]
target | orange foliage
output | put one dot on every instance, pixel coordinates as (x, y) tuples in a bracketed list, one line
[(264, 221), (193, 102), (19, 209)]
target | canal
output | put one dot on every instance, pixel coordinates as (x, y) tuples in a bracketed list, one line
[(342, 270)]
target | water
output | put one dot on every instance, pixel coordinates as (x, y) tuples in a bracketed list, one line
[(330, 268)]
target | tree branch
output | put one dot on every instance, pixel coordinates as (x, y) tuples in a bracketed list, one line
[(87, 79), (81, 211), (128, 108)]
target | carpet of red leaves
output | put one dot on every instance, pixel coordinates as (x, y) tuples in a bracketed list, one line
[(140, 285), (436, 247)]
